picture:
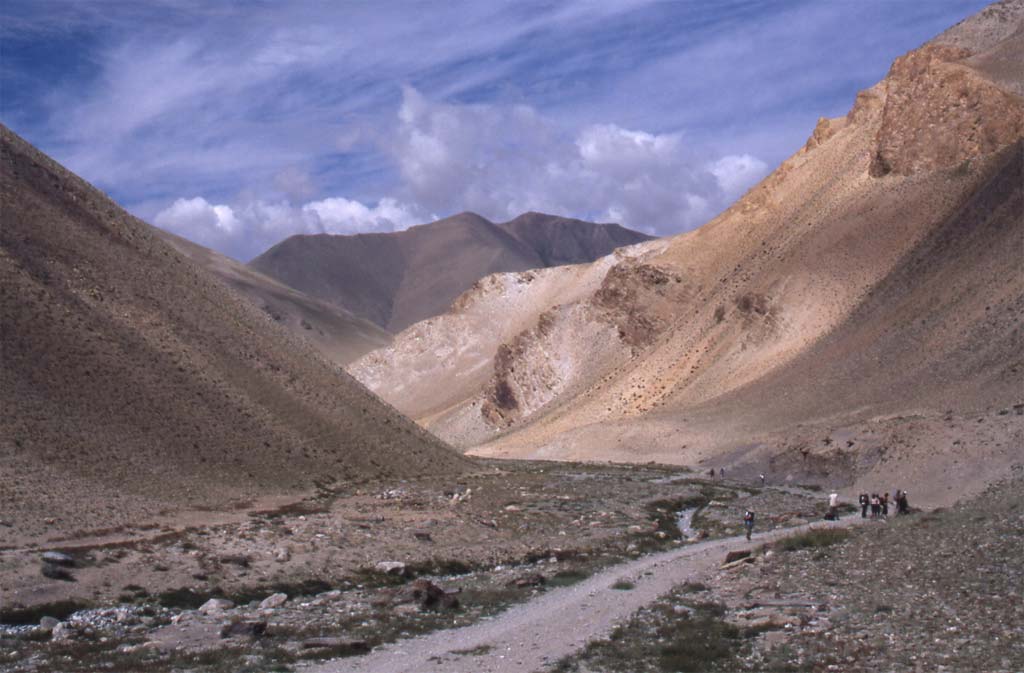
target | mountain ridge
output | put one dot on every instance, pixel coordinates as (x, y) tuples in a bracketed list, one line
[(676, 351), (398, 278)]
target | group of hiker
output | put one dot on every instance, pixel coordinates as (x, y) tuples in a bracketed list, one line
[(879, 504)]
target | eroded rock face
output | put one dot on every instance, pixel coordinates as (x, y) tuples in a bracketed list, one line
[(940, 114), (634, 296)]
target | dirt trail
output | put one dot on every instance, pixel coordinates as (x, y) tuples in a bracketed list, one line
[(535, 635)]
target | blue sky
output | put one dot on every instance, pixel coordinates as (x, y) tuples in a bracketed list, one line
[(237, 124)]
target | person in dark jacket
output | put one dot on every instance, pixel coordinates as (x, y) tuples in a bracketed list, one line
[(864, 502), (748, 522)]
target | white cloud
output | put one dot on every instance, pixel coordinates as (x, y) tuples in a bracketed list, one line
[(499, 161), (738, 173), (249, 229), (503, 160), (339, 215)]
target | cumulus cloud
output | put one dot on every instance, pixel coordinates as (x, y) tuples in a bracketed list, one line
[(499, 161), (246, 230), (503, 160)]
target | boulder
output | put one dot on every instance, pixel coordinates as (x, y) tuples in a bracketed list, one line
[(273, 601), (244, 628), (48, 623), (235, 559), (390, 567), (427, 595), (59, 559), (64, 631), (736, 555), (215, 606), (535, 580), (56, 573)]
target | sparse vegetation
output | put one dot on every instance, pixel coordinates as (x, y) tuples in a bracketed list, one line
[(813, 539)]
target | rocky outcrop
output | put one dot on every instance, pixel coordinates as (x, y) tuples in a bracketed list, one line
[(939, 113)]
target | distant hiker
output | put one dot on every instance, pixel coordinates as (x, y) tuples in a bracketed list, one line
[(748, 522), (885, 506), (864, 502), (833, 506), (876, 505), (896, 501), (721, 472), (711, 473), (904, 507), (762, 478)]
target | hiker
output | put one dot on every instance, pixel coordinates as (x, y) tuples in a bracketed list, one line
[(903, 506), (864, 502), (833, 507), (711, 473), (896, 501), (748, 522), (885, 505), (762, 478), (721, 473), (876, 505)]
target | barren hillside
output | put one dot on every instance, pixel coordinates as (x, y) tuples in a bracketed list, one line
[(400, 278), (134, 385), (335, 332), (857, 313)]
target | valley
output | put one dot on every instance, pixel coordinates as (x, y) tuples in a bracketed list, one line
[(521, 442)]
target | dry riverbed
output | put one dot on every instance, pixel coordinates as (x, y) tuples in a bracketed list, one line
[(355, 566)]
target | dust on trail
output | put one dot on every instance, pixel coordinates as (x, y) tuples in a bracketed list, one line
[(534, 635)]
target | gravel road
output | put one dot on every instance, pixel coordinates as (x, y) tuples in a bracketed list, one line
[(533, 636)]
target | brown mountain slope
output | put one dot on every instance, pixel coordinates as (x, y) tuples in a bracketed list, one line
[(135, 385), (400, 278), (875, 275), (335, 332)]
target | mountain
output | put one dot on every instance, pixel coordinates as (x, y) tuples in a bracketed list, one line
[(397, 279), (853, 319), (335, 332), (135, 385)]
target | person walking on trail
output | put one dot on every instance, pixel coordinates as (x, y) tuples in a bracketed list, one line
[(762, 478), (748, 522), (721, 473), (833, 506), (885, 506), (864, 502)]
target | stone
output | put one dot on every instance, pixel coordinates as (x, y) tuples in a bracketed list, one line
[(56, 573), (391, 567), (58, 558), (427, 595), (282, 556), (535, 580), (738, 562), (64, 631), (736, 555), (244, 628), (235, 559), (215, 606), (48, 623), (422, 535), (273, 601)]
